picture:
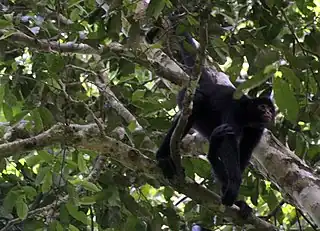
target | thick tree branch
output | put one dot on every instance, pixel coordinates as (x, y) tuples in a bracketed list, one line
[(290, 173), (89, 137), (296, 180), (150, 58)]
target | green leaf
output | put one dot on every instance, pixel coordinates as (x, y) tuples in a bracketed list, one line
[(7, 34), (220, 48), (126, 67), (9, 200), (155, 8), (173, 218), (131, 223), (32, 160), (132, 125), (255, 81), (271, 199), (265, 58), (19, 116), (285, 99), (5, 24), (82, 163), (59, 227), (270, 3), (138, 95), (22, 208), (115, 25), (64, 217), (134, 35), (255, 192), (41, 174), (73, 228), (45, 156), (7, 111), (290, 76), (168, 193), (46, 116), (87, 200), (29, 191), (47, 182), (90, 4), (201, 167), (35, 115), (75, 14), (9, 17), (188, 167), (78, 215), (2, 92), (54, 62), (89, 186)]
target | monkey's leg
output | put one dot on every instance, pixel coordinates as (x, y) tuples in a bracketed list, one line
[(223, 145)]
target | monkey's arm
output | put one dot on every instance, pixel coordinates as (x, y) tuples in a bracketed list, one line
[(224, 156), (250, 139)]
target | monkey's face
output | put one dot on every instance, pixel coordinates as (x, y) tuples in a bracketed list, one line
[(261, 111)]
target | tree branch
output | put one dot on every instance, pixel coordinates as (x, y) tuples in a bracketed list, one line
[(89, 137), (150, 58)]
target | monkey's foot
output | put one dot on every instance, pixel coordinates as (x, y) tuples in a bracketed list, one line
[(230, 192), (245, 209)]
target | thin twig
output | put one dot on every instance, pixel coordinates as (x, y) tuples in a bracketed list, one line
[(314, 226), (275, 210)]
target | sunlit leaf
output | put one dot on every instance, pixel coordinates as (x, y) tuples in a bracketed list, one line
[(22, 208), (7, 111), (5, 24), (155, 7), (89, 186), (250, 83), (47, 182), (285, 99), (290, 76), (82, 163)]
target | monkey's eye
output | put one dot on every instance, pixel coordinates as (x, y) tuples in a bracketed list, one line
[(262, 107)]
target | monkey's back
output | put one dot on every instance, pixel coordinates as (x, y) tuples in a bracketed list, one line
[(212, 103)]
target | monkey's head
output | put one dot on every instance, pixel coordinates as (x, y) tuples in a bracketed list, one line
[(260, 111)]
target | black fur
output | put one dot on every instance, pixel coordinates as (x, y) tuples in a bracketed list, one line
[(232, 126)]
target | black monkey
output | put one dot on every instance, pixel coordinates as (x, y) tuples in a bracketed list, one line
[(232, 126)]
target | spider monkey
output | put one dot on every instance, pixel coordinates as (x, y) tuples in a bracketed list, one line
[(233, 128)]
